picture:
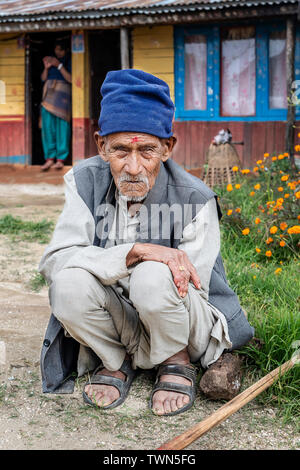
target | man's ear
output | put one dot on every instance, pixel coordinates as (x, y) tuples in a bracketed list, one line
[(168, 147), (100, 142)]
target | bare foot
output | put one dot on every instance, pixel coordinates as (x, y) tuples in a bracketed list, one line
[(104, 395), (58, 165), (165, 401), (47, 165)]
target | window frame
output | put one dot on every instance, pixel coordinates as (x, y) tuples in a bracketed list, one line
[(213, 111)]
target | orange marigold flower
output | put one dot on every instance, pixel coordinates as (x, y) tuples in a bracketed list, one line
[(282, 243), (286, 195), (298, 134), (298, 217), (235, 168), (252, 193), (279, 201), (257, 220), (284, 177), (274, 159), (257, 186), (280, 157), (245, 171), (280, 188), (273, 229), (238, 210), (255, 168), (229, 212), (237, 186), (297, 194), (269, 240), (258, 250), (278, 271), (259, 162), (268, 253), (229, 187), (294, 229), (292, 184), (283, 225), (266, 155), (246, 231)]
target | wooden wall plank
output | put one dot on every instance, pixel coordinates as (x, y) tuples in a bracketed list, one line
[(12, 74), (153, 52), (194, 138), (11, 136), (159, 52)]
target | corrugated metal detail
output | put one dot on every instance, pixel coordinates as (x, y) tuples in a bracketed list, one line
[(69, 9)]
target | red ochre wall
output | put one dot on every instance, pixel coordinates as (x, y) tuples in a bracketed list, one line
[(194, 138)]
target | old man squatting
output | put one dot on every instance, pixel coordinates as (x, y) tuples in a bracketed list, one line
[(125, 293)]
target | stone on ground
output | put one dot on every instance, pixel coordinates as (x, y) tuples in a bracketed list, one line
[(222, 380)]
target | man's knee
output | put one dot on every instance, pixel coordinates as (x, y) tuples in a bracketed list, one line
[(152, 288), (72, 294)]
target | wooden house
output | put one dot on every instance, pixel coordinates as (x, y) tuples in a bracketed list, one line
[(228, 64)]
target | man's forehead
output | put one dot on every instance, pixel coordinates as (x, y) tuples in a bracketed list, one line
[(132, 137)]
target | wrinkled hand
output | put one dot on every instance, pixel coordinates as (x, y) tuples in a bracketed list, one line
[(177, 260)]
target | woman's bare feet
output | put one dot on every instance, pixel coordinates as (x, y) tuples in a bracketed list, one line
[(58, 165), (165, 401), (47, 165)]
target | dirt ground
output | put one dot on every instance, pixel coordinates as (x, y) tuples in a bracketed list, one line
[(30, 419)]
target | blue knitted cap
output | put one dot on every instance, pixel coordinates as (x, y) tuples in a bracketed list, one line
[(135, 101)]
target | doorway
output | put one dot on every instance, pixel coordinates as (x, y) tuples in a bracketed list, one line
[(104, 49), (41, 45)]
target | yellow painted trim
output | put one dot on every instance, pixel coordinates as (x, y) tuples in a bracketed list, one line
[(80, 81)]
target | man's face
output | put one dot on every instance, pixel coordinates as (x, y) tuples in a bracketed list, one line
[(134, 160)]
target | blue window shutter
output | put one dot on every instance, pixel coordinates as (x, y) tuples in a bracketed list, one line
[(263, 111)]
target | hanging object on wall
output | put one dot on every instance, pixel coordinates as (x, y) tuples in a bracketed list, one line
[(221, 157)]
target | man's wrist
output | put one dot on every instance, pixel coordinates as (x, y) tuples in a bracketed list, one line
[(135, 255)]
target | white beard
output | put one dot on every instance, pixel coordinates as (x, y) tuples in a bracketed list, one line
[(143, 179)]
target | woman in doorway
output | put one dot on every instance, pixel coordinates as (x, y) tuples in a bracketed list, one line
[(56, 107)]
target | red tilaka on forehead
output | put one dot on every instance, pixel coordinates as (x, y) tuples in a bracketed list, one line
[(134, 139)]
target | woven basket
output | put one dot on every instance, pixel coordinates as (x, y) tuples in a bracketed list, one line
[(218, 165)]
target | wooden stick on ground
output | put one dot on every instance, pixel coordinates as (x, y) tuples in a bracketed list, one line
[(189, 436)]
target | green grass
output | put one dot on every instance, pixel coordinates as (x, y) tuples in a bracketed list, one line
[(272, 303), (20, 230), (36, 282)]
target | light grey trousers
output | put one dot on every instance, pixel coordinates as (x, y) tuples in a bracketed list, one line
[(152, 325)]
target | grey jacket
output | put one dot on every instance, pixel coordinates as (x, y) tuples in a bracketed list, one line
[(174, 187)]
